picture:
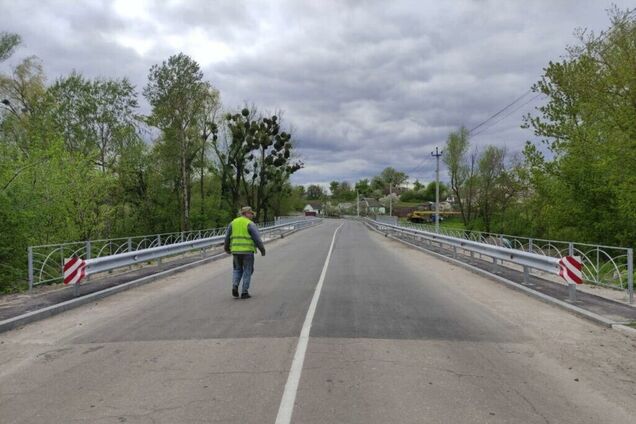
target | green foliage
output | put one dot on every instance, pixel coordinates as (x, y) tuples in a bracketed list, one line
[(462, 168), (414, 196), (73, 164), (179, 97), (341, 191), (363, 187), (12, 228), (8, 43), (95, 117), (314, 192), (256, 162), (587, 190)]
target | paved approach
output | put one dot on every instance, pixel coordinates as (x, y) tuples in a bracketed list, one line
[(397, 336)]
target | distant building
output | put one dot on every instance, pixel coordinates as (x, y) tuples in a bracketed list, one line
[(369, 205), (314, 207)]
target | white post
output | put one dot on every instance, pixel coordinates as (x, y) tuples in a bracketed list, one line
[(358, 203), (437, 154), (390, 199)]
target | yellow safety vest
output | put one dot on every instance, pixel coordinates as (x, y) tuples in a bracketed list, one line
[(240, 240)]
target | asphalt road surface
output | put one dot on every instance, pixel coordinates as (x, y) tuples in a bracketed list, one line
[(396, 336)]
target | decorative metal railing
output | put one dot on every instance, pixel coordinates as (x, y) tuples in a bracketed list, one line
[(607, 266), (46, 262)]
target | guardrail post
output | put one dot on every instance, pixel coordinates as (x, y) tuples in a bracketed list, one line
[(159, 245), (130, 248), (530, 247), (630, 274), (87, 255), (30, 260), (455, 252), (570, 249), (572, 292), (526, 275)]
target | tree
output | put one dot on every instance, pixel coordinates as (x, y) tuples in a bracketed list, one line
[(413, 196), (207, 125), (341, 191), (273, 165), (391, 176), (255, 147), (8, 43), (363, 187), (334, 188), (490, 170), (314, 192), (346, 192), (96, 117), (462, 170), (588, 188), (178, 94), (430, 192), (388, 179), (24, 89)]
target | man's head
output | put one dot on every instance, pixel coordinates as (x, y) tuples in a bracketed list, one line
[(247, 212)]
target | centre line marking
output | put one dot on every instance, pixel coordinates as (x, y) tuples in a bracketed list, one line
[(286, 407)]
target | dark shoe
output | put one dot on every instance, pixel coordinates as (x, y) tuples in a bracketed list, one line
[(235, 291), (245, 295)]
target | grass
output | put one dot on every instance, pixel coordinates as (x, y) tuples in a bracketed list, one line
[(454, 223)]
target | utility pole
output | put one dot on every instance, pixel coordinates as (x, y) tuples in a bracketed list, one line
[(436, 154), (390, 199)]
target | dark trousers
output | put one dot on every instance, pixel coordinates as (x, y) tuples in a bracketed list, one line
[(243, 267)]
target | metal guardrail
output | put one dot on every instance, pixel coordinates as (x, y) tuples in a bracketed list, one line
[(291, 218), (510, 250), (46, 262), (607, 266)]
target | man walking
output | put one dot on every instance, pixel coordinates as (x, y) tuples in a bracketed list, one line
[(241, 240)]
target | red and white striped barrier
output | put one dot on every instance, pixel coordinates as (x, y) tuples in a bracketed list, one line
[(571, 269), (74, 270)]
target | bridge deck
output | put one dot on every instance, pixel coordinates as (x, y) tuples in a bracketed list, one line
[(397, 336)]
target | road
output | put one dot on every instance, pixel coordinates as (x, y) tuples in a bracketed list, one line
[(396, 336)]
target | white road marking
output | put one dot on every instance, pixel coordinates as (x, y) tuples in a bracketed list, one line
[(286, 407)]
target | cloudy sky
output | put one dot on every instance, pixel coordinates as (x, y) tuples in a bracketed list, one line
[(363, 84)]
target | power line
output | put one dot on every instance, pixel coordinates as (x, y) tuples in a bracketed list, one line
[(500, 111), (417, 167), (490, 118), (533, 98)]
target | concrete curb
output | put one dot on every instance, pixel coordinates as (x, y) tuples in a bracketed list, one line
[(29, 317), (591, 316)]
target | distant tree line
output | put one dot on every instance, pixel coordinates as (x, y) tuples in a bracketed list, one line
[(78, 160)]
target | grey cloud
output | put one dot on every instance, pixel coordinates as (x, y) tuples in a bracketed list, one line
[(364, 84)]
